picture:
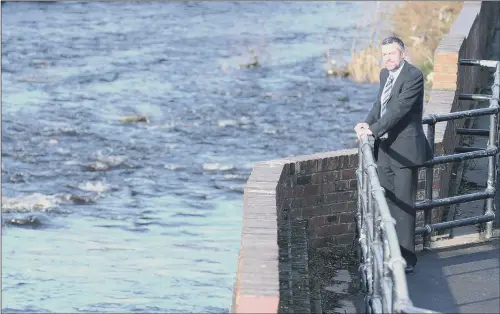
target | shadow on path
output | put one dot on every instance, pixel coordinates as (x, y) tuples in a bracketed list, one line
[(458, 279)]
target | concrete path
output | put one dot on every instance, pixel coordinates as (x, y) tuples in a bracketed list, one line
[(458, 276), (458, 279)]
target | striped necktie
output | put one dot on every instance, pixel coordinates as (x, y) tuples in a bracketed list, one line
[(385, 94)]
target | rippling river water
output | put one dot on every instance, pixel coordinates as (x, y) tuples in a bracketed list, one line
[(102, 216)]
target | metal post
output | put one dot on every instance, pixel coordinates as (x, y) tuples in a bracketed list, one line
[(375, 247), (492, 159), (365, 192), (359, 216), (369, 230), (366, 234), (361, 223), (429, 176), (387, 280), (396, 262)]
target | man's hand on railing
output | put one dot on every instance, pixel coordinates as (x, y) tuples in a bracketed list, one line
[(362, 131), (360, 126)]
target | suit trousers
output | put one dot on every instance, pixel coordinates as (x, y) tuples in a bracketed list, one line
[(400, 184)]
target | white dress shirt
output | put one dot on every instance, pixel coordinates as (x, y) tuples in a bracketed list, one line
[(395, 74)]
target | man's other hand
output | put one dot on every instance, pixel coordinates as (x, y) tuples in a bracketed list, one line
[(363, 133), (361, 126)]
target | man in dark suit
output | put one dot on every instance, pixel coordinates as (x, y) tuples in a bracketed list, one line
[(395, 121)]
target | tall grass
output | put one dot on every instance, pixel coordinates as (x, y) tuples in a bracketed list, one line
[(365, 63), (420, 24)]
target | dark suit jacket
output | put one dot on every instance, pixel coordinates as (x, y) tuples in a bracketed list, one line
[(402, 120)]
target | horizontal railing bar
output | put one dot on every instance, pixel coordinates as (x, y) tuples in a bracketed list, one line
[(434, 118), (474, 96), (474, 62), (480, 132), (455, 223), (462, 156), (465, 149), (454, 200)]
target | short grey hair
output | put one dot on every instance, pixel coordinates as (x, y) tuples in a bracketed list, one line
[(393, 39)]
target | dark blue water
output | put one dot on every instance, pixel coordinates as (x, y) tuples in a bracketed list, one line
[(104, 216)]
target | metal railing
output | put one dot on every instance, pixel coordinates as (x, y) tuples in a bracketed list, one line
[(382, 267), (466, 153)]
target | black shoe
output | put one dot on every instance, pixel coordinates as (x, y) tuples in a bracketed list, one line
[(409, 270)]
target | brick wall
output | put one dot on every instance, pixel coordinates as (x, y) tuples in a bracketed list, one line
[(290, 207), (323, 191), (295, 205)]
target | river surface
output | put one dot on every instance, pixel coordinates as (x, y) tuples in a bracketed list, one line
[(104, 216)]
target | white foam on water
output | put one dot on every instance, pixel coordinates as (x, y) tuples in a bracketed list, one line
[(98, 187), (234, 176), (245, 120), (69, 162), (30, 203), (217, 167), (249, 165), (98, 166), (111, 160), (270, 131), (104, 162), (241, 122), (225, 123), (65, 152), (236, 188), (173, 167)]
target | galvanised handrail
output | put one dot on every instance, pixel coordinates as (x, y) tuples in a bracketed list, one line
[(383, 268)]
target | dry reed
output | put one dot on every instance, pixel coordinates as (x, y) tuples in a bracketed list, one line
[(365, 65), (420, 24)]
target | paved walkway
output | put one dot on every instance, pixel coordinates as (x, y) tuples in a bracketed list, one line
[(458, 276), (458, 279)]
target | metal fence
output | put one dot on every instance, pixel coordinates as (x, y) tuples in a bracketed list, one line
[(465, 153), (382, 267)]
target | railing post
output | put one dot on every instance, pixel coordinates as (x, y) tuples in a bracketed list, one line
[(373, 247), (370, 261), (377, 250), (386, 280), (366, 228), (359, 216), (429, 178), (492, 159), (363, 236)]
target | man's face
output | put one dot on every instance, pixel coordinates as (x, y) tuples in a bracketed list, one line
[(392, 56)]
